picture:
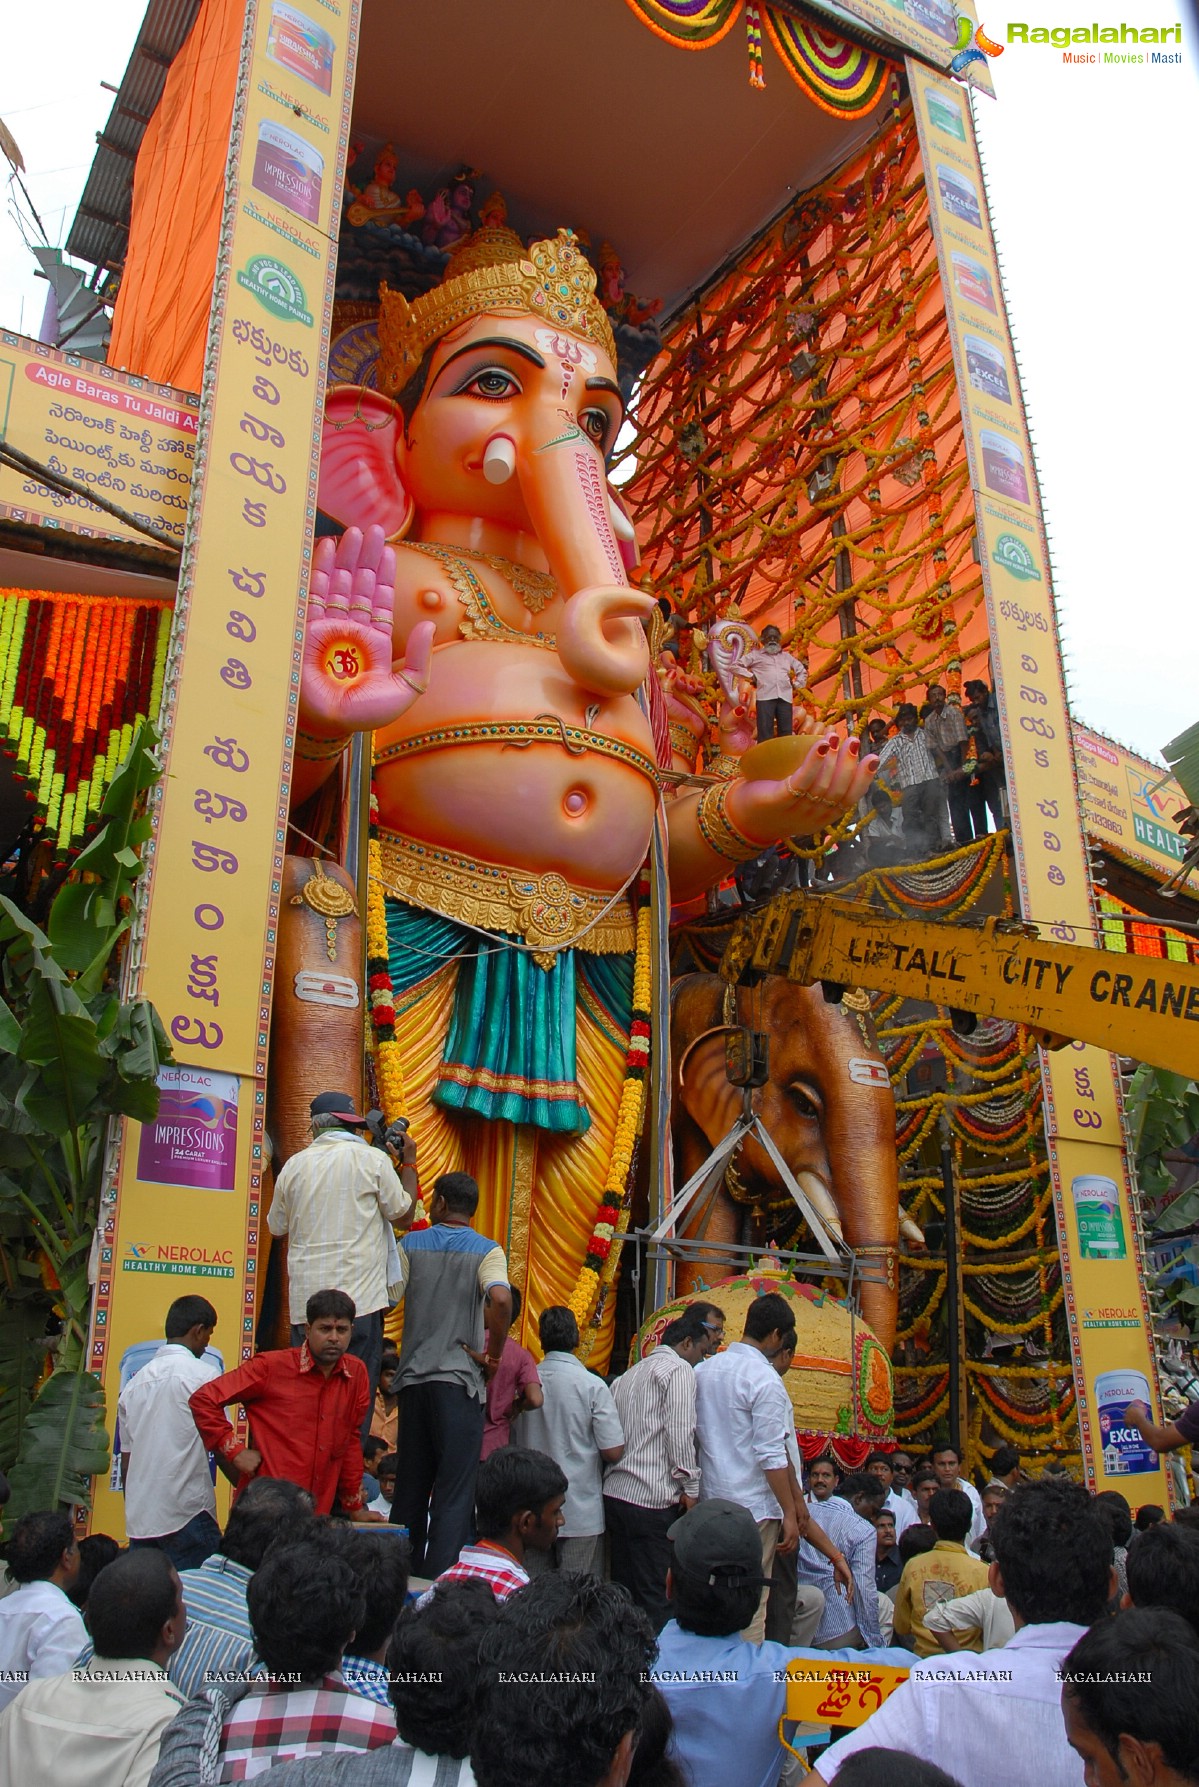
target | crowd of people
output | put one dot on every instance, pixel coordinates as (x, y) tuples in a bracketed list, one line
[(940, 780), (548, 1578)]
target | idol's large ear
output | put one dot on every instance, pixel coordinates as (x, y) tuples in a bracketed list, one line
[(359, 478)]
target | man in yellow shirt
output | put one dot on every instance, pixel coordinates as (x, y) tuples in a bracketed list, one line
[(942, 1574)]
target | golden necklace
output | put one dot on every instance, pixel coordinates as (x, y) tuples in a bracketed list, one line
[(532, 588)]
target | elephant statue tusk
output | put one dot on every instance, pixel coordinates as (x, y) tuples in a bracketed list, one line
[(819, 1196), (499, 459), (622, 527), (910, 1231)]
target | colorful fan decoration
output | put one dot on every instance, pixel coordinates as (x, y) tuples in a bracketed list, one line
[(77, 675)]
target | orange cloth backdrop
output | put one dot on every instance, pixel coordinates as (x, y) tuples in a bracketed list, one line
[(161, 320)]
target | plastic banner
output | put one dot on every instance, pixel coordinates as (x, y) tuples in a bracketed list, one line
[(1106, 1305), (1129, 803), (835, 1693), (187, 1215), (131, 441)]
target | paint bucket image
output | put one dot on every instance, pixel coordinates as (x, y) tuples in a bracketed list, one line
[(288, 169), (973, 282), (1100, 1222), (1125, 1453), (935, 16), (300, 45), (945, 114), (1003, 465), (986, 368), (192, 1141), (958, 196)]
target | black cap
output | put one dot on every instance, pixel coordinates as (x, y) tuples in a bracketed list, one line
[(336, 1104), (719, 1542)]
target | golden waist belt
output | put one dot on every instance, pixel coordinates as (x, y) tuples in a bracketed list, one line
[(519, 735), (546, 910)]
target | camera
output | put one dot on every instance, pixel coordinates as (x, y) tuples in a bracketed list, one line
[(385, 1135)]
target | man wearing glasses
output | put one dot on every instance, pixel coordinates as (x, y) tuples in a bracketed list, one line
[(901, 1470), (657, 1477)]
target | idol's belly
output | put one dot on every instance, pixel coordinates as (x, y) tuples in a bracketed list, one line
[(507, 760)]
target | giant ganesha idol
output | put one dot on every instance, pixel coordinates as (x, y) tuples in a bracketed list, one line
[(476, 617)]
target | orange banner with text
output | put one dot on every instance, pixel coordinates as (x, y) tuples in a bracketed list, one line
[(1098, 1232), (187, 1213)]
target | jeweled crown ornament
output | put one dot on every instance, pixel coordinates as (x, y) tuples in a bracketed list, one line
[(551, 279)]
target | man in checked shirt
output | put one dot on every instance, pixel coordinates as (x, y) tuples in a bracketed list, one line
[(657, 1479)]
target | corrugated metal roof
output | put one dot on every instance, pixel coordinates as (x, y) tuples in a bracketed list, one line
[(101, 224)]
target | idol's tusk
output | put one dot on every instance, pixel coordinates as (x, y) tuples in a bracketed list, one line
[(499, 459), (622, 527)]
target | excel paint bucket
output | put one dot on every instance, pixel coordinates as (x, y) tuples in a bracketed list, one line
[(1125, 1453), (288, 169), (986, 368)]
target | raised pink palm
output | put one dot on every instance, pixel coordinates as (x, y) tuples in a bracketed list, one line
[(349, 682)]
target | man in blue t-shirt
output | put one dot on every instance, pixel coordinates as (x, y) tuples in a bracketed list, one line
[(726, 1695)]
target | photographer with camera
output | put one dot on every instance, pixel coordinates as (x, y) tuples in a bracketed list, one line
[(336, 1201)]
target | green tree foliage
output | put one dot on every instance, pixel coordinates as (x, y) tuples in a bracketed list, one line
[(73, 1056)]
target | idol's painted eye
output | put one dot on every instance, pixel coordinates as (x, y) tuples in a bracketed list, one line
[(595, 423), (494, 382)]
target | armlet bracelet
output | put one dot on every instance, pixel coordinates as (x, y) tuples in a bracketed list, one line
[(719, 832)]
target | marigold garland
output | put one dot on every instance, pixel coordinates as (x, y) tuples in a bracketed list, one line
[(612, 1216)]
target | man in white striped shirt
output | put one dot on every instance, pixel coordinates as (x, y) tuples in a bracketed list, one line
[(657, 1479)]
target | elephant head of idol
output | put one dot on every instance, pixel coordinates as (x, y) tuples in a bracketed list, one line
[(498, 401), (827, 1106)]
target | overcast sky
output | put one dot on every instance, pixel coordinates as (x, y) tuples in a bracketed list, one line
[(1092, 180)]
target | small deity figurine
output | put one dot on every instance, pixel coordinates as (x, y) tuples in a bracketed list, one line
[(447, 217), (378, 194)]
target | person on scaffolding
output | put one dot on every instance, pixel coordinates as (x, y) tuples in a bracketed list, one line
[(776, 676)]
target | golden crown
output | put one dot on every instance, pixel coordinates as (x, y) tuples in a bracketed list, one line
[(551, 279)]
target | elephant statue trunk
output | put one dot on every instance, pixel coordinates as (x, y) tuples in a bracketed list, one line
[(565, 490)]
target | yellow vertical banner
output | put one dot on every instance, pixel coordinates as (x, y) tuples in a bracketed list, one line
[(186, 1214), (1102, 1262)]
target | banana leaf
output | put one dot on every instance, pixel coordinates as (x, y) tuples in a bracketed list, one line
[(63, 1445)]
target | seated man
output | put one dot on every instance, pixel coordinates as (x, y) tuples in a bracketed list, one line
[(305, 1606), (380, 1564), (1129, 1692), (727, 1731), (519, 1495), (433, 1668), (1000, 1722), (95, 1726), (563, 1686), (844, 1514), (41, 1631), (218, 1635), (942, 1574)]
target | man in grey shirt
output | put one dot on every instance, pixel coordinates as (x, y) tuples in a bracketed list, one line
[(456, 1296), (577, 1425)]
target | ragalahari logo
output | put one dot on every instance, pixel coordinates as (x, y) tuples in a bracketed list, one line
[(973, 46)]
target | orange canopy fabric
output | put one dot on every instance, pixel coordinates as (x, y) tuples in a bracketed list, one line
[(160, 324)]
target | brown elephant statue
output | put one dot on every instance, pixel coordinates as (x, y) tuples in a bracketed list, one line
[(827, 1106)]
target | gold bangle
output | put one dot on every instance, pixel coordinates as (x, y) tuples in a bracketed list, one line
[(719, 832), (319, 750)]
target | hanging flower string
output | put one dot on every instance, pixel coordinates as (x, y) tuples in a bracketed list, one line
[(612, 1217)]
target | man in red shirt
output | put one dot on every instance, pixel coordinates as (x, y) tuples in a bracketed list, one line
[(518, 1509), (306, 1407)]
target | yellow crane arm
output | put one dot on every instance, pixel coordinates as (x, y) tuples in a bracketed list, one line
[(1130, 1005)]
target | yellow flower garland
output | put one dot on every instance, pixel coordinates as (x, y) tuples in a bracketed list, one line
[(389, 1070)]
